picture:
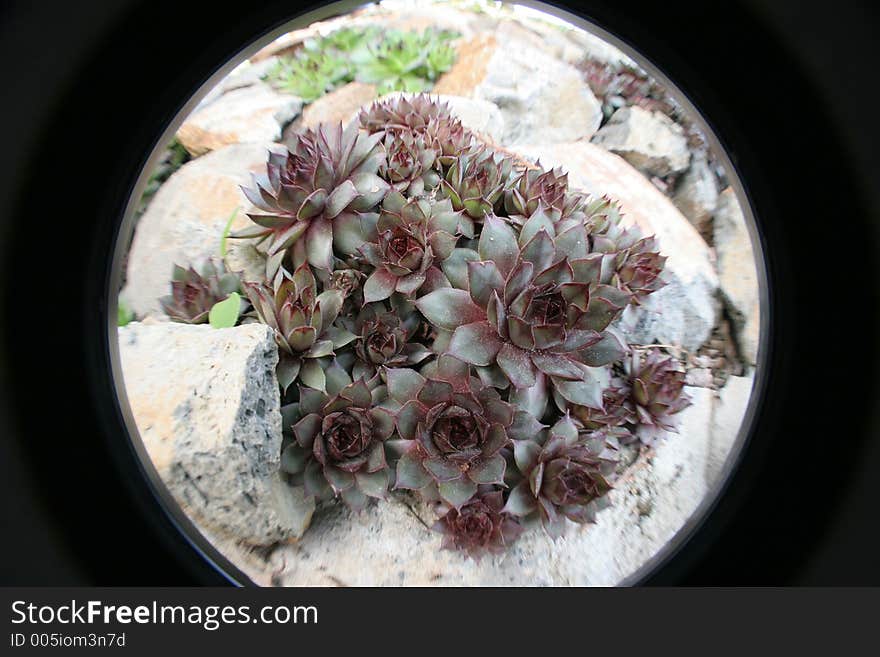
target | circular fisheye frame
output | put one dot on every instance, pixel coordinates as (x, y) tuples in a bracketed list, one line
[(439, 293)]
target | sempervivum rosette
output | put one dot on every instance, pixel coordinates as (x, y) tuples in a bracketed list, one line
[(449, 303), (193, 294), (454, 428), (412, 238), (302, 321), (534, 305), (384, 338), (340, 444), (566, 474), (325, 174), (657, 383), (479, 527)]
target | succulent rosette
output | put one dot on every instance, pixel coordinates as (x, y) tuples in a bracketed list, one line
[(535, 187), (383, 339), (446, 308), (193, 294), (340, 444), (657, 383), (617, 408), (534, 305), (302, 321), (476, 180), (567, 471), (410, 163), (325, 174), (454, 428), (479, 527), (412, 238)]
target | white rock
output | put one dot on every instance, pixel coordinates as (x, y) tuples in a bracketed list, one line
[(542, 99), (727, 418), (389, 544), (339, 105), (252, 113), (207, 408), (696, 194), (685, 311), (737, 271), (650, 141), (185, 220)]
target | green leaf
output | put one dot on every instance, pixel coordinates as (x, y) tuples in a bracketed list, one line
[(224, 314), (123, 314), (226, 231)]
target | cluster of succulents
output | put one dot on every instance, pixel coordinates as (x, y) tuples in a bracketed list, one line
[(393, 60), (445, 320)]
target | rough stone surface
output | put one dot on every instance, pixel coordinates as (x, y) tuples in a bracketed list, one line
[(696, 195), (185, 220), (252, 113), (685, 311), (650, 141), (727, 418), (207, 409), (390, 545), (737, 272), (338, 105), (542, 99)]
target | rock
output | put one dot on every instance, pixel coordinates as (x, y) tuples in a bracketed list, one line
[(727, 418), (737, 271), (207, 409), (650, 141), (389, 544), (339, 105), (685, 311), (185, 220), (246, 74), (253, 113), (598, 49), (696, 195), (479, 116), (541, 99)]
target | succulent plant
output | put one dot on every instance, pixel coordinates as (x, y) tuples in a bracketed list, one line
[(302, 321), (475, 181), (340, 444), (383, 339), (454, 428), (412, 238), (617, 408), (326, 174), (566, 474), (657, 383), (533, 305), (407, 61), (480, 526), (193, 294), (464, 301), (426, 118), (410, 163)]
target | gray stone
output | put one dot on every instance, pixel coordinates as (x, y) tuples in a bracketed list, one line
[(185, 220), (254, 113), (207, 409), (737, 272), (727, 419), (650, 141), (685, 311), (696, 195), (542, 99), (389, 544)]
